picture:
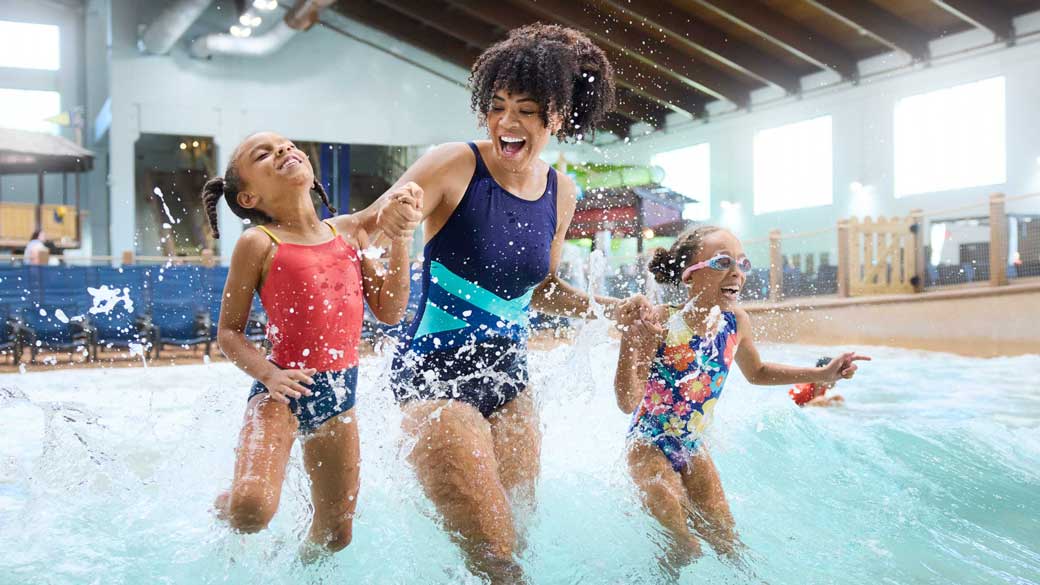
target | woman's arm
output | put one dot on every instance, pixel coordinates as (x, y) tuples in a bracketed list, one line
[(638, 346), (770, 374), (243, 279), (555, 296), (440, 173)]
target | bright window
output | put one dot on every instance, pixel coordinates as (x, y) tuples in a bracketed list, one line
[(793, 166), (688, 171), (951, 138), (29, 46), (28, 110)]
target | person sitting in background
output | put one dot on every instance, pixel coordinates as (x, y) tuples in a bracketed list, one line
[(36, 250), (815, 394)]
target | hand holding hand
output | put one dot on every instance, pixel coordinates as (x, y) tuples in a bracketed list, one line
[(402, 212)]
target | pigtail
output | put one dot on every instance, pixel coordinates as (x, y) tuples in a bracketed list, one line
[(324, 196), (212, 192)]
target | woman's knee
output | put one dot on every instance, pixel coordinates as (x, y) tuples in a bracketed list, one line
[(251, 508)]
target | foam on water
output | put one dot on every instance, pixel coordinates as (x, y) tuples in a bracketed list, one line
[(930, 475)]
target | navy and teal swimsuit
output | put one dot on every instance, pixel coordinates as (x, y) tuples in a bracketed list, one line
[(468, 341)]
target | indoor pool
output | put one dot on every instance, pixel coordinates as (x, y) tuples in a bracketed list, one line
[(930, 474)]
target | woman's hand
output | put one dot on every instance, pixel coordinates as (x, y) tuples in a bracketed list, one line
[(403, 211), (842, 367), (285, 384)]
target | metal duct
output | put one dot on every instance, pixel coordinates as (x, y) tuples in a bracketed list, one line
[(301, 16), (171, 25)]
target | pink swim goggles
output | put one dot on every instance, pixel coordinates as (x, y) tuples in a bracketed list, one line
[(720, 262)]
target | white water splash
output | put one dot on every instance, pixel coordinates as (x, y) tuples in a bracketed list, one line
[(60, 316), (166, 208), (138, 350), (105, 299)]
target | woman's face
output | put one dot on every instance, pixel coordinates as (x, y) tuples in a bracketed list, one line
[(516, 130), (717, 287), (269, 164)]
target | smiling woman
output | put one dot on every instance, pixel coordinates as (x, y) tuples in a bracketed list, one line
[(495, 218)]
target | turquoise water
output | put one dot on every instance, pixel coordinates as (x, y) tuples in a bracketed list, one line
[(931, 474)]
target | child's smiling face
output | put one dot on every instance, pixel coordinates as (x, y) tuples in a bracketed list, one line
[(717, 287), (269, 164)]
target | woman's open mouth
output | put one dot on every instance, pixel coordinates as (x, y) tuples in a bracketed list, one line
[(511, 146), (731, 293)]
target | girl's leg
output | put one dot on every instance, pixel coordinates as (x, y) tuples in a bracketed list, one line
[(262, 453), (454, 458), (332, 456), (710, 515), (518, 446), (665, 498)]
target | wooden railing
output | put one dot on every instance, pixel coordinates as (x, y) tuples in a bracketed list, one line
[(18, 221), (881, 256)]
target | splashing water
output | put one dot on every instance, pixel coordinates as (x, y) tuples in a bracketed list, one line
[(910, 483), (166, 208), (105, 299)]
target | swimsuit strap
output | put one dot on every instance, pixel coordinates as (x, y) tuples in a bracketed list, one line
[(270, 235), (335, 234)]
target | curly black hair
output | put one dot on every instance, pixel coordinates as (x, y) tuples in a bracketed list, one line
[(667, 266), (558, 67)]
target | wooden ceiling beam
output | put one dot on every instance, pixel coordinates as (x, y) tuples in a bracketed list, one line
[(697, 38), (884, 27), (631, 74), (786, 34), (415, 33), (636, 45), (448, 20), (981, 14), (632, 105)]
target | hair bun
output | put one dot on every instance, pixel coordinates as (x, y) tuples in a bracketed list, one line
[(662, 266)]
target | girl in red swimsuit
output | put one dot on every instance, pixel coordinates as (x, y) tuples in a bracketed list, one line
[(313, 281)]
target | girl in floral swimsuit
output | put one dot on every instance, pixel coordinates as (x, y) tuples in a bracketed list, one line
[(671, 371)]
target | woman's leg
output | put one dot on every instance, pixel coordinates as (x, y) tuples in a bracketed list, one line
[(518, 446), (664, 496), (262, 453), (711, 516), (332, 456), (454, 458)]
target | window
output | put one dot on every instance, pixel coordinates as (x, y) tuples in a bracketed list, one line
[(28, 110), (688, 171), (793, 166), (29, 46), (951, 139)]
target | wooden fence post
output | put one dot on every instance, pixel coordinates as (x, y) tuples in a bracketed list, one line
[(776, 267), (917, 227), (128, 258), (843, 258), (998, 240)]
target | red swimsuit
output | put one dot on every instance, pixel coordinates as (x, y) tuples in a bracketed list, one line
[(314, 302)]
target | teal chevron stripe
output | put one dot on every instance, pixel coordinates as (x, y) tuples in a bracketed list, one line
[(514, 310), (437, 320)]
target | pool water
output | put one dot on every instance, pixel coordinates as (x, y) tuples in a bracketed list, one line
[(930, 474)]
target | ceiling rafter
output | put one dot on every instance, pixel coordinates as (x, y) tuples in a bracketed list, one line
[(981, 14), (884, 27), (785, 33), (695, 37)]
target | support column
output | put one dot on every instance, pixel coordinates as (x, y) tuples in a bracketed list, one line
[(776, 267)]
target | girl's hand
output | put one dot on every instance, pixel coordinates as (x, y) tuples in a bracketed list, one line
[(842, 367), (401, 214), (632, 309), (644, 335), (285, 384)]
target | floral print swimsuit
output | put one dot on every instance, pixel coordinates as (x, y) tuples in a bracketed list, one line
[(685, 382)]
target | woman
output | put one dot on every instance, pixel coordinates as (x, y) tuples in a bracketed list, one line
[(495, 218)]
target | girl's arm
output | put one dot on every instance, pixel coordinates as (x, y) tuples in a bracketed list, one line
[(555, 296), (243, 279), (639, 344), (769, 374)]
